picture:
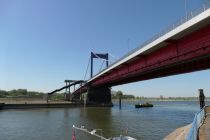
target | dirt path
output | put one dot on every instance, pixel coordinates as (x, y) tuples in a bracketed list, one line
[(204, 131)]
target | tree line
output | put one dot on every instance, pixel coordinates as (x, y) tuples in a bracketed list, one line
[(119, 94), (20, 93), (24, 93)]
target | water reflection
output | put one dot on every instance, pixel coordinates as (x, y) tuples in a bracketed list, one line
[(53, 124)]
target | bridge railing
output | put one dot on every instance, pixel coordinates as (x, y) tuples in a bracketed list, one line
[(184, 19), (197, 122)]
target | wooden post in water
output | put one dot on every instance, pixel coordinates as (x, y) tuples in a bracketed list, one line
[(201, 98), (85, 99), (120, 101), (47, 98)]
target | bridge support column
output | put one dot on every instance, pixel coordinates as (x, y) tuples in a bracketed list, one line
[(99, 95), (77, 97)]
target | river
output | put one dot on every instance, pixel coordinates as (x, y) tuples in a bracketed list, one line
[(56, 124)]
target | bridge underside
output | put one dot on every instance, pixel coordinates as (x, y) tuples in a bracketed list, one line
[(177, 56), (174, 69)]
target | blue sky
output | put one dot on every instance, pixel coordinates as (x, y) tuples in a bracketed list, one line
[(44, 42)]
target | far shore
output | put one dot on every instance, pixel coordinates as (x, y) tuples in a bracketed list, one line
[(38, 101), (161, 100)]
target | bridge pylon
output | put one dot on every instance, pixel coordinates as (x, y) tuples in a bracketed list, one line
[(100, 56)]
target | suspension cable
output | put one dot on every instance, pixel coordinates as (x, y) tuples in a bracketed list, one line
[(116, 58), (105, 59), (101, 65), (87, 69)]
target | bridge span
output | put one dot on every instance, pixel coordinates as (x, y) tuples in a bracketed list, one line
[(185, 48)]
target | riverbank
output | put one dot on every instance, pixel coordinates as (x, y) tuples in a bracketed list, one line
[(25, 104), (161, 100), (40, 103), (179, 134)]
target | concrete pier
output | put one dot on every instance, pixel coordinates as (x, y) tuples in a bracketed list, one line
[(99, 95)]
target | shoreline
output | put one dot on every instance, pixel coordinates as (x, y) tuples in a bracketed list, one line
[(158, 100), (179, 133), (44, 104)]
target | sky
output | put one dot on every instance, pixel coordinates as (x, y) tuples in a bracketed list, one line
[(44, 42)]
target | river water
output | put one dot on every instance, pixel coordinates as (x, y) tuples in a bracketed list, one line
[(56, 124)]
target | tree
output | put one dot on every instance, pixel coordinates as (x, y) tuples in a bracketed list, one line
[(3, 93), (119, 93)]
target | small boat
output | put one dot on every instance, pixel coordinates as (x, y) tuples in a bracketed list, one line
[(93, 132), (143, 105)]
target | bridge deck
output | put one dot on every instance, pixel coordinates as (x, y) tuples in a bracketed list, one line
[(204, 131)]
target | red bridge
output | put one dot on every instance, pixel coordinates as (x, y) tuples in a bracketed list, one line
[(185, 48)]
